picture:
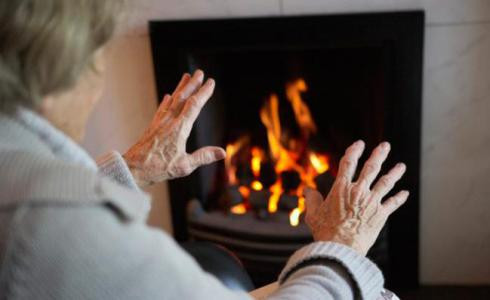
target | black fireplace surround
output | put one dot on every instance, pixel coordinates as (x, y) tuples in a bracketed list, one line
[(364, 77)]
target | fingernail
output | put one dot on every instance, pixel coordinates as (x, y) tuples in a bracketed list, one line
[(359, 143), (406, 193), (385, 145), (219, 154), (401, 165), (210, 82)]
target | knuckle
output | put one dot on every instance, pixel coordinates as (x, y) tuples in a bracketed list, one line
[(398, 201), (385, 182), (347, 162), (342, 181), (186, 169), (179, 96), (356, 190), (351, 149), (203, 158), (371, 167), (193, 100)]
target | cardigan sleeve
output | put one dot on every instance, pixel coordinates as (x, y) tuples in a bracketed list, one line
[(113, 165)]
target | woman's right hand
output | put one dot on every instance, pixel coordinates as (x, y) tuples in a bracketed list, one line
[(161, 153), (352, 214)]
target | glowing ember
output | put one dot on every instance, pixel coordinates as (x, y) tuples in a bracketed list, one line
[(319, 162), (294, 217), (257, 186), (287, 154), (244, 191), (239, 209)]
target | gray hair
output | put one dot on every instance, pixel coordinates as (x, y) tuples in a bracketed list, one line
[(45, 45)]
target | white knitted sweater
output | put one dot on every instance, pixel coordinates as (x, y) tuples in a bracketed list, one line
[(72, 230)]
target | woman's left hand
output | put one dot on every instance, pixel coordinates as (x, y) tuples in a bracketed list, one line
[(161, 153)]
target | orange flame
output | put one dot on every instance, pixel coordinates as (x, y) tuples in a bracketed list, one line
[(257, 185), (276, 191), (319, 163), (256, 160), (231, 151), (296, 212), (284, 154), (244, 191), (301, 110), (239, 209), (294, 217), (269, 115)]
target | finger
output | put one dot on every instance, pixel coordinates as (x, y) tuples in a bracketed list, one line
[(163, 108), (183, 81), (206, 156), (393, 203), (348, 163), (186, 91), (384, 185), (196, 102), (373, 164), (313, 200)]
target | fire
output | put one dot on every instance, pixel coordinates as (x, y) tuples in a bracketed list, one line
[(319, 162), (244, 191), (269, 115), (294, 217), (276, 192), (257, 186), (239, 209), (296, 213), (256, 161), (301, 110), (286, 153), (231, 151)]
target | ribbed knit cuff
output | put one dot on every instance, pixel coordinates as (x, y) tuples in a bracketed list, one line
[(365, 273), (113, 165)]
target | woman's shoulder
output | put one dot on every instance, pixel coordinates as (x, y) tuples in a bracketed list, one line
[(63, 247), (29, 179)]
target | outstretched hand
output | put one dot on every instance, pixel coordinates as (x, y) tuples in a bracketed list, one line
[(352, 214), (161, 153)]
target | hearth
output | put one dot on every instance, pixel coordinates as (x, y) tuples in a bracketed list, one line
[(292, 93)]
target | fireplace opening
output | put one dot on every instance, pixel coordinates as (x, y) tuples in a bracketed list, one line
[(291, 95)]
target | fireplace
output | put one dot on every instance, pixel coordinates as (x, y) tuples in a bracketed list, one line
[(292, 93)]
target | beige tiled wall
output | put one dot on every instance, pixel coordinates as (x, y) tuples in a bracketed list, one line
[(455, 195)]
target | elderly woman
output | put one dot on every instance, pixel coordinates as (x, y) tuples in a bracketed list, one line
[(74, 229)]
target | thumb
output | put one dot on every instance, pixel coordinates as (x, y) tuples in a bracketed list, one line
[(206, 156), (313, 200)]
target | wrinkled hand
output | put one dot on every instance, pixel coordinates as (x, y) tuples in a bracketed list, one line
[(161, 153), (352, 214)]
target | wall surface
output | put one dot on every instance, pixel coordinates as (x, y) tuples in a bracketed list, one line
[(455, 195)]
